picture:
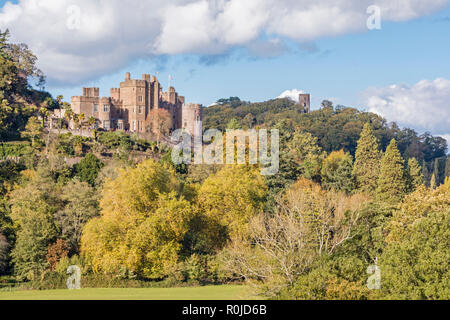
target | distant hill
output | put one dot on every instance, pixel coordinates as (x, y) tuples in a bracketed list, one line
[(335, 127)]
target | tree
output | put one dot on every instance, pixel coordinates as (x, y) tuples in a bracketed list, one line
[(56, 252), (232, 197), (414, 264), (367, 161), (309, 223), (414, 175), (80, 206), (33, 130), (433, 183), (4, 254), (32, 210), (307, 154), (81, 118), (337, 173), (391, 182), (88, 168), (142, 224)]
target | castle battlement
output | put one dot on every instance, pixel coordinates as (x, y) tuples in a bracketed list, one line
[(138, 105)]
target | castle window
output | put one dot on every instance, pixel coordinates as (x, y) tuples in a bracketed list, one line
[(140, 98), (140, 109), (95, 107), (106, 125), (105, 108)]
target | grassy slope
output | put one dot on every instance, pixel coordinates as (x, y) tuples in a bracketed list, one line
[(191, 293)]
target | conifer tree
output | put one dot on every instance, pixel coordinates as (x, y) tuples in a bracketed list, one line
[(447, 167), (415, 177), (367, 161), (391, 183), (433, 184)]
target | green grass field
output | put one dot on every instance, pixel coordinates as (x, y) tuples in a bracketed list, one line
[(190, 293)]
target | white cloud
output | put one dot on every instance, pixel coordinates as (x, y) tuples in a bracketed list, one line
[(291, 94), (114, 32), (424, 106)]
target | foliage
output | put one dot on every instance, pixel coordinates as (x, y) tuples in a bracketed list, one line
[(391, 182), (414, 263), (414, 175), (232, 197), (88, 168), (336, 172), (309, 223), (142, 224), (56, 252), (367, 161), (4, 254), (32, 210), (80, 206), (33, 130)]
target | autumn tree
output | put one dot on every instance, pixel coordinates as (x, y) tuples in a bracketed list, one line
[(367, 161), (56, 252), (232, 197), (391, 182), (337, 173), (142, 224), (80, 206), (309, 223)]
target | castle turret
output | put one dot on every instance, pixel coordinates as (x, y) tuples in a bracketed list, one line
[(191, 113)]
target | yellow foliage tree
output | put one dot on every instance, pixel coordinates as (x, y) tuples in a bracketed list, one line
[(142, 225), (232, 197)]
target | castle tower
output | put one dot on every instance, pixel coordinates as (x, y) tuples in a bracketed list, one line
[(191, 113), (305, 102)]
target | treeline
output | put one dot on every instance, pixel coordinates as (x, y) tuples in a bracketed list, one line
[(310, 232), (336, 128), (18, 99)]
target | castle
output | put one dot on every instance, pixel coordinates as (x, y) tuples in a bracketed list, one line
[(138, 106)]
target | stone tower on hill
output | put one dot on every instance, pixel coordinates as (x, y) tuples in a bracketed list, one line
[(138, 106), (305, 103)]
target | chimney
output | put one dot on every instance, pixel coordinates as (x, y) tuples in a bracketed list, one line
[(127, 76)]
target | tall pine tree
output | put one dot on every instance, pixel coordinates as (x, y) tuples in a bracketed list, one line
[(391, 183), (414, 175), (367, 161)]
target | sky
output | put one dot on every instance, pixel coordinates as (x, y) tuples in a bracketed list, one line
[(254, 49)]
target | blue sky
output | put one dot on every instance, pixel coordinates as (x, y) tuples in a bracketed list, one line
[(347, 68)]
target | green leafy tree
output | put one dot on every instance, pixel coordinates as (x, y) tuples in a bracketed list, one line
[(391, 182), (337, 173), (4, 254), (414, 175), (88, 168), (32, 209), (307, 154), (367, 161), (33, 130), (414, 264)]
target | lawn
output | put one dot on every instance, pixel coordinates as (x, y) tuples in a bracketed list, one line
[(191, 293)]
